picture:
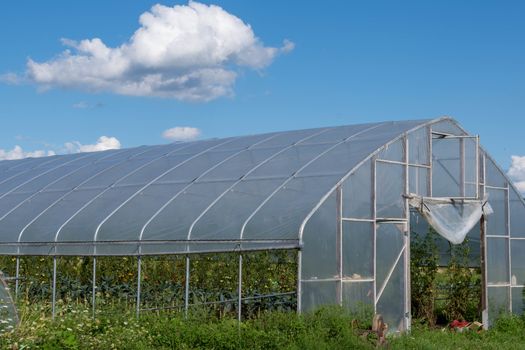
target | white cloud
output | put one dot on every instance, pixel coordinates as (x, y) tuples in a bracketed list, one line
[(187, 52), (517, 172), (103, 143), (85, 105), (80, 105), (18, 153), (11, 78), (181, 133)]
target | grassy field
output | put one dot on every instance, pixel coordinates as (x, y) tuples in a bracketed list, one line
[(330, 328)]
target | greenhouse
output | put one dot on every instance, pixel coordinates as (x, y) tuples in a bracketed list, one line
[(343, 199)]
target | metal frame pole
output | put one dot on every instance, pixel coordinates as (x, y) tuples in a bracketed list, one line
[(94, 286), (17, 276), (299, 276), (53, 300), (139, 278), (339, 245), (239, 291), (483, 238), (509, 247), (462, 167), (187, 287), (374, 217), (408, 301), (430, 162)]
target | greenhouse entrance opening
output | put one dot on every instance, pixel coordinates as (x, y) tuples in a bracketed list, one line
[(446, 278), (445, 261)]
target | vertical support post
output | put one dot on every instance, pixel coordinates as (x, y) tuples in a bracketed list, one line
[(94, 286), (339, 245), (507, 229), (187, 287), (239, 291), (374, 216), (483, 273), (408, 317), (139, 278), (17, 276), (478, 196), (54, 288), (430, 161), (299, 276), (483, 253), (462, 167)]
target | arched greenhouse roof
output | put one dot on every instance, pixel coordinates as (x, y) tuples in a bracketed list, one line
[(249, 192)]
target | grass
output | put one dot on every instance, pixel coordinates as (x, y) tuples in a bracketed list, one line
[(328, 328)]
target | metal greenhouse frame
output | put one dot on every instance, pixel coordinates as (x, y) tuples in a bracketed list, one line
[(338, 195)]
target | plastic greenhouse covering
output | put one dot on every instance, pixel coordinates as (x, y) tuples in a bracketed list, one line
[(210, 195), (452, 219), (344, 198)]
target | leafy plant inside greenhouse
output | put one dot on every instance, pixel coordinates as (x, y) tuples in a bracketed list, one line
[(441, 294)]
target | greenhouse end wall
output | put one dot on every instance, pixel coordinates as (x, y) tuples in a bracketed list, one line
[(356, 246)]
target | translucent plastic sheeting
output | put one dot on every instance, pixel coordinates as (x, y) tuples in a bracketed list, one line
[(419, 147), (418, 178), (419, 228), (518, 300), (250, 188), (498, 301), (391, 304), (390, 244), (319, 239), (517, 247), (394, 151), (452, 219), (357, 193), (390, 187), (317, 177), (358, 250), (446, 168), (317, 293), (358, 296), (517, 214), (497, 223), (497, 261)]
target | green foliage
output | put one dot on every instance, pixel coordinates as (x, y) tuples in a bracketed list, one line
[(423, 271), (214, 277), (463, 287), (440, 295), (507, 333), (329, 328)]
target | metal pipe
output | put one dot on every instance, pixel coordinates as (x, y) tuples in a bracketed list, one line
[(139, 277), (462, 167), (430, 161), (54, 287), (239, 291), (94, 286), (339, 245), (374, 216), (509, 255), (299, 275), (17, 276), (408, 301), (484, 251), (187, 287)]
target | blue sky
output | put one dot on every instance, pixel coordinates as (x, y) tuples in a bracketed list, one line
[(353, 61)]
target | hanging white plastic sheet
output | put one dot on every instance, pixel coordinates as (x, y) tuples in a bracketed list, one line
[(451, 218)]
